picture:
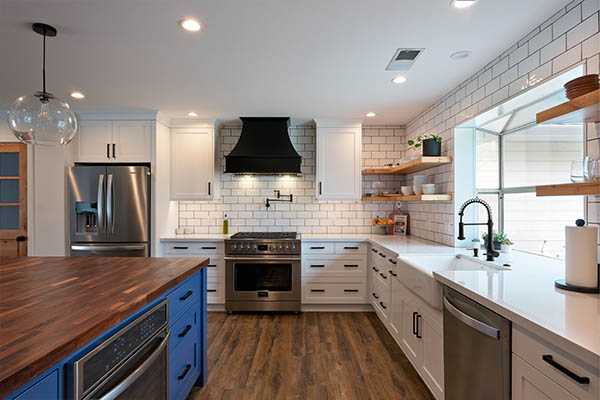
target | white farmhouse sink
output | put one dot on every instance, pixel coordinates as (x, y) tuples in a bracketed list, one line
[(416, 273)]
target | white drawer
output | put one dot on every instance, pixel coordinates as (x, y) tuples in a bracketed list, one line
[(197, 248), (333, 267), (215, 291), (215, 268), (334, 292), (318, 248), (351, 248), (537, 352)]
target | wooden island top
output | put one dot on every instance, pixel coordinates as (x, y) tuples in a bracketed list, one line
[(52, 306)]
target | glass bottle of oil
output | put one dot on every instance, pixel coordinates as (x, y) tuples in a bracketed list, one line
[(225, 225)]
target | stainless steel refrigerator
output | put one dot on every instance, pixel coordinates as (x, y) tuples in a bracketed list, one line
[(109, 209)]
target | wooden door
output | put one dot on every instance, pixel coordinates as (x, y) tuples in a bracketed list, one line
[(13, 199)]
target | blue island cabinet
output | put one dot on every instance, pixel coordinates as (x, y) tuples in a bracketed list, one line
[(187, 346)]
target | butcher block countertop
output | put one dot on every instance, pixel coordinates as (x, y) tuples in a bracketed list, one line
[(52, 306)]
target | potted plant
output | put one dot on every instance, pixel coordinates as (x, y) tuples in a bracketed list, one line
[(497, 240), (505, 243), (431, 144)]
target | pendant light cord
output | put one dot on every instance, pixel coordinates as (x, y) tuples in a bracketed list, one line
[(44, 66)]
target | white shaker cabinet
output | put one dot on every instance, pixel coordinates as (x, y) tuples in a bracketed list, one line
[(338, 160), (530, 384), (115, 141), (192, 163)]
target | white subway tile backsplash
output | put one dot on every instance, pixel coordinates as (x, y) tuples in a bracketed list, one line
[(540, 40), (582, 31), (589, 7), (566, 22), (567, 59), (553, 49), (591, 47), (529, 64), (518, 55)]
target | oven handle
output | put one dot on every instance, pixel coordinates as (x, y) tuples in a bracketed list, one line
[(130, 379), (262, 259)]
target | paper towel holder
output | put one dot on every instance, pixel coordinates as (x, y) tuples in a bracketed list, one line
[(562, 283)]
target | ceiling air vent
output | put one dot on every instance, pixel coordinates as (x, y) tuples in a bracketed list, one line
[(403, 59)]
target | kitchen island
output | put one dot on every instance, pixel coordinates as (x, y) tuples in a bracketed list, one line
[(54, 308)]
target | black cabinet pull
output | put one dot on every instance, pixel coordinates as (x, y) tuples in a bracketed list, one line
[(351, 290), (392, 261), (350, 265), (20, 238), (318, 290), (211, 290), (209, 248), (583, 380), (320, 188), (317, 247), (212, 266), (417, 330), (317, 266), (209, 188), (392, 273), (376, 297), (181, 247), (114, 151), (107, 151), (185, 331), (382, 255), (383, 276), (186, 295), (374, 251), (375, 269), (185, 371), (350, 248), (383, 305), (414, 323)]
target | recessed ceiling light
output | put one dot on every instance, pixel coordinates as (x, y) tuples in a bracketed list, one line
[(371, 114), (463, 3), (77, 95), (192, 114), (399, 79), (460, 55), (190, 24)]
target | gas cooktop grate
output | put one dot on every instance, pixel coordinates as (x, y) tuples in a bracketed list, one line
[(265, 235)]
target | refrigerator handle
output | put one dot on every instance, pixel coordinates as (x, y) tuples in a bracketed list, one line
[(100, 208), (110, 203)]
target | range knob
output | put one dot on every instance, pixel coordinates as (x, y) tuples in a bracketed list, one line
[(233, 247), (247, 246), (271, 248)]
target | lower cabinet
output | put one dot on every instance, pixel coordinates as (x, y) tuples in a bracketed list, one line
[(45, 388), (530, 384), (416, 327)]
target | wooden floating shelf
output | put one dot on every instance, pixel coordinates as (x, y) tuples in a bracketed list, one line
[(409, 167), (584, 108), (422, 197), (569, 189)]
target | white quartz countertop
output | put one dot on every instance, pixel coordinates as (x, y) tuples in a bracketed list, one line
[(526, 295), (195, 238)]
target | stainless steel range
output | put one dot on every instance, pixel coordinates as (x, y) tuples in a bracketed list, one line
[(263, 272)]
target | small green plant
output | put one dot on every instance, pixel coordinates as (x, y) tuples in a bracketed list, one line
[(501, 238), (418, 142)]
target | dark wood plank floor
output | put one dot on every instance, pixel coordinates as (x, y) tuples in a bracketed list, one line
[(307, 356)]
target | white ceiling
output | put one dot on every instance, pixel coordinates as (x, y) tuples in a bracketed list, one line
[(304, 59)]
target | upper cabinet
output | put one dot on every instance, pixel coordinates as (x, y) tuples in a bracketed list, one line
[(192, 162), (338, 160), (115, 141)]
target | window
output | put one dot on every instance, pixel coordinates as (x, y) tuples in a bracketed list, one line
[(513, 155)]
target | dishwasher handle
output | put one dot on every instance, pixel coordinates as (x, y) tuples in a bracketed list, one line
[(472, 322)]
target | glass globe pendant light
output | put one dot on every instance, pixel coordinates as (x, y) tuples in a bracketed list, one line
[(42, 118)]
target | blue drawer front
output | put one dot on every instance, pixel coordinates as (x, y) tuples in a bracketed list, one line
[(182, 297), (183, 365), (184, 326), (45, 389)]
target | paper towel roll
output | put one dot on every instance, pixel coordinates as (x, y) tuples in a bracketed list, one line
[(582, 256)]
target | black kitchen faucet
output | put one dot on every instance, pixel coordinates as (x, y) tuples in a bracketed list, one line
[(491, 253)]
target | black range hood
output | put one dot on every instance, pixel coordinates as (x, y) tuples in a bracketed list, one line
[(264, 148)]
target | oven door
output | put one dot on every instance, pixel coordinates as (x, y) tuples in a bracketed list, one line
[(262, 279), (145, 375)]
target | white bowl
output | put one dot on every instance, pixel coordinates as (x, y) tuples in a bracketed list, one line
[(418, 190), (407, 190), (429, 188)]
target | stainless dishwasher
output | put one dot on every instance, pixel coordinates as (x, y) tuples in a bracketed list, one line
[(476, 350)]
